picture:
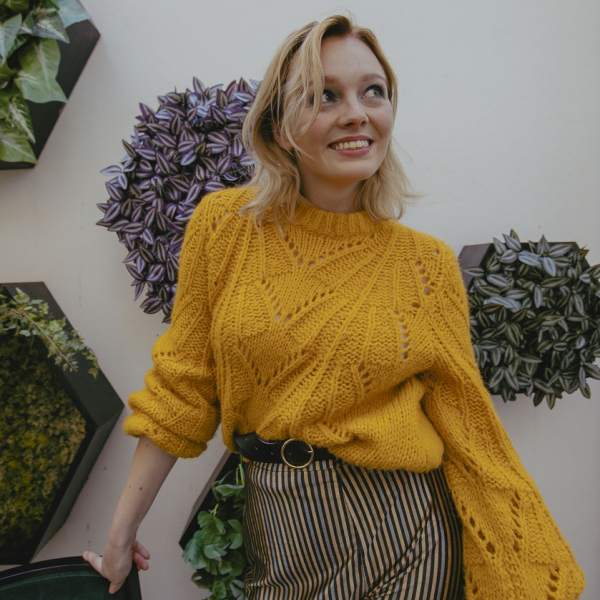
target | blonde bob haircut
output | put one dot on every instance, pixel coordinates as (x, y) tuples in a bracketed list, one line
[(275, 115)]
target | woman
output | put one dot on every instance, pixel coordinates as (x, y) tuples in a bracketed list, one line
[(332, 343)]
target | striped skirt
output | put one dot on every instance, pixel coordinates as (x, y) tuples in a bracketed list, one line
[(336, 531)]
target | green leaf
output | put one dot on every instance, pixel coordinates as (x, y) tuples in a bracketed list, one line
[(8, 34), (16, 112), (213, 551), (18, 5), (70, 11), (6, 75), (15, 148), (45, 23), (39, 66)]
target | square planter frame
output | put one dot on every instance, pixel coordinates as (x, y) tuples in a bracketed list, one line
[(99, 405)]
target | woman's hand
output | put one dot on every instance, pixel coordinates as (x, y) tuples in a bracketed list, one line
[(116, 563), (149, 468)]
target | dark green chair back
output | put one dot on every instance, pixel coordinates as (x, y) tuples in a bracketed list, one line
[(63, 579)]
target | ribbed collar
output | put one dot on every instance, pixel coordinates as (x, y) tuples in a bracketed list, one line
[(333, 224)]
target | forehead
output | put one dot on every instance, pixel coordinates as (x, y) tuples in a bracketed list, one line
[(348, 56)]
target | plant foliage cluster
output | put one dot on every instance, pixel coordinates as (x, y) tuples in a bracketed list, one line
[(535, 319), (27, 317), (40, 433), (187, 148), (29, 60), (216, 550)]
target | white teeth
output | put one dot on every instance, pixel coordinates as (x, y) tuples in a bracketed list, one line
[(350, 145)]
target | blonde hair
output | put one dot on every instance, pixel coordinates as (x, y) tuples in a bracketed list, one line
[(282, 96)]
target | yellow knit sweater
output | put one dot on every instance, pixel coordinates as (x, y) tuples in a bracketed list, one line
[(353, 335)]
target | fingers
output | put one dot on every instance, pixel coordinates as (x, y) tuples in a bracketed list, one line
[(141, 550), (114, 588), (140, 561), (94, 560)]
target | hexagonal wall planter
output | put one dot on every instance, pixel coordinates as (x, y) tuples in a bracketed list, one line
[(98, 405), (83, 37), (535, 317)]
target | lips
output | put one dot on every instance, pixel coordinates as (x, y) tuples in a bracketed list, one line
[(350, 145)]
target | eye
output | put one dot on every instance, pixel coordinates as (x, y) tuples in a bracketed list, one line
[(375, 91), (327, 97)]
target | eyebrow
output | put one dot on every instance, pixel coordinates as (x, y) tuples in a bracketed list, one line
[(367, 76)]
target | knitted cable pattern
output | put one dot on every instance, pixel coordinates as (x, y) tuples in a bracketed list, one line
[(353, 335)]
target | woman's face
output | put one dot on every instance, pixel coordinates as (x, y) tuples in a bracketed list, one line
[(348, 140)]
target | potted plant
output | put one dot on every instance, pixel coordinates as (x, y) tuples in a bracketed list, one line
[(535, 317), (212, 540), (38, 70), (55, 418), (188, 147)]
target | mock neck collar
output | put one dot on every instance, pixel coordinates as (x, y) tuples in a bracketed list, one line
[(332, 224)]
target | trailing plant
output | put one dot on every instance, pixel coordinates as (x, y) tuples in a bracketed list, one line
[(40, 433), (188, 147), (216, 550), (29, 60), (535, 319), (27, 317)]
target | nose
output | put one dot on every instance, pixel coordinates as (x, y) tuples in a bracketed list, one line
[(352, 113)]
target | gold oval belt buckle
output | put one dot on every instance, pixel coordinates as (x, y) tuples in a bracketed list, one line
[(309, 449)]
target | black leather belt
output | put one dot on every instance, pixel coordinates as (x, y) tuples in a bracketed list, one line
[(294, 453)]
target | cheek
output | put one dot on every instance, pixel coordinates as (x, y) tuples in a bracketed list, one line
[(386, 123)]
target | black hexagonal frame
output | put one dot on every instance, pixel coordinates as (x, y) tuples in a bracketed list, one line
[(100, 406), (74, 55)]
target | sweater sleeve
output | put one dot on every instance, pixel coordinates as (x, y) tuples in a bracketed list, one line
[(513, 549), (178, 408)]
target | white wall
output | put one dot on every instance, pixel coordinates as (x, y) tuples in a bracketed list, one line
[(499, 123)]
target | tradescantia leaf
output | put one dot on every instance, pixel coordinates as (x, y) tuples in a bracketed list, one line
[(15, 148), (529, 258), (8, 34), (70, 11), (39, 66), (45, 23), (512, 242)]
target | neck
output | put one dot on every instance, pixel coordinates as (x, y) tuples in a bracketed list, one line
[(332, 198)]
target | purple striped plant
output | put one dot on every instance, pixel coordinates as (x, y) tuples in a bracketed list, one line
[(189, 147)]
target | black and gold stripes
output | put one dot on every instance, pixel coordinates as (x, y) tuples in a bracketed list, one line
[(336, 531)]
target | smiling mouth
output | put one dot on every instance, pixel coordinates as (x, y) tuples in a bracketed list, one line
[(350, 145)]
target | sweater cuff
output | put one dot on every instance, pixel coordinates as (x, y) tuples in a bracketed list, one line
[(138, 424)]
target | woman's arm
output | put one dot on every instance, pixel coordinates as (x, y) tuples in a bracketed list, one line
[(149, 468)]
